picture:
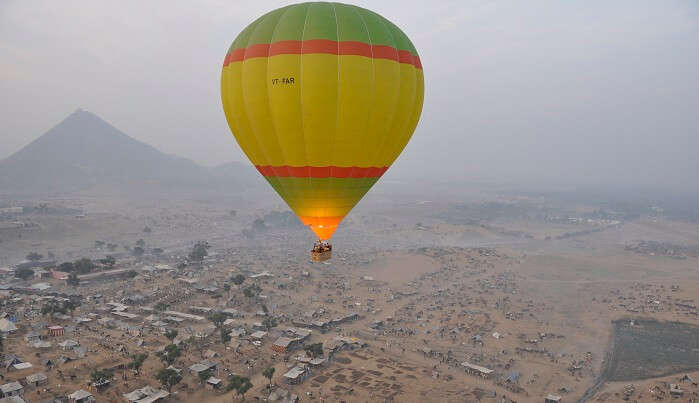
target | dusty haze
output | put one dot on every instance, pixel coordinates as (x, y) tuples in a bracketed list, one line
[(544, 92)]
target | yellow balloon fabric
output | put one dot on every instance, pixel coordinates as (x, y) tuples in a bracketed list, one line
[(322, 98)]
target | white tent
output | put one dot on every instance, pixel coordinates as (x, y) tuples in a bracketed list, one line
[(6, 326)]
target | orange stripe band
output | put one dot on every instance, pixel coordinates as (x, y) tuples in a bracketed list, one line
[(321, 172), (325, 46)]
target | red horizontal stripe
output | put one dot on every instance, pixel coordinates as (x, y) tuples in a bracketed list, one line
[(355, 48), (324, 46), (261, 50), (286, 171)]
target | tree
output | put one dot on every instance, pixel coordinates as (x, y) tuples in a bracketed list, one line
[(69, 306), (131, 273), (137, 362), (141, 243), (24, 273), (269, 322), (101, 375), (226, 287), (244, 386), (199, 251), (252, 291), (241, 384), (225, 335), (161, 306), (170, 354), (112, 247), (34, 257), (314, 350), (171, 334), (84, 265), (99, 244), (73, 279), (108, 261), (168, 378), (157, 251), (259, 225), (147, 229), (204, 375), (138, 251), (2, 347), (66, 267), (265, 309), (238, 279), (53, 306), (217, 318), (50, 307), (269, 373)]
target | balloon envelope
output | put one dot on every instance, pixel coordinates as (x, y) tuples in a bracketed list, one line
[(322, 98)]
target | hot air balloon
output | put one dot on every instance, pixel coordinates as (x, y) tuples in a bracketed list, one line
[(322, 98)]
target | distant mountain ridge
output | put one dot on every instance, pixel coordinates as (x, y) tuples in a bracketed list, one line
[(84, 151)]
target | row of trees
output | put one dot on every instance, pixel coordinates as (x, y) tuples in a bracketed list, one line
[(110, 246), (83, 265), (53, 306)]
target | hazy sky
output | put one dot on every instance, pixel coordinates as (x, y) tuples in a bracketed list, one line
[(538, 91)]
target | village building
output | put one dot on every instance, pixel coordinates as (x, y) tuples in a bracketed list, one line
[(478, 370), (202, 366), (185, 316), (213, 383), (298, 333), (106, 322), (258, 335), (41, 344), (40, 286), (12, 399), (146, 394), (201, 309), (9, 360), (126, 315), (688, 378), (340, 343), (68, 345), (22, 365), (117, 307), (296, 375), (59, 275), (239, 332), (209, 354), (233, 313), (282, 396), (7, 327), (676, 390), (284, 344), (152, 318), (552, 399), (36, 380), (81, 396), (264, 274), (312, 362), (11, 389), (41, 273), (178, 370), (32, 337), (56, 331)]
